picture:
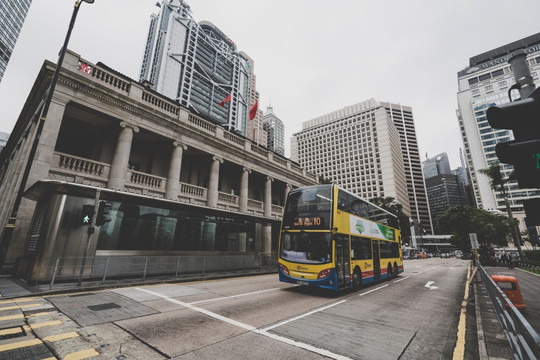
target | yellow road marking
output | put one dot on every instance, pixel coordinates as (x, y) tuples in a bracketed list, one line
[(38, 314), (459, 350), (20, 344), (16, 300), (59, 337), (81, 354), (51, 358), (42, 324), (18, 307), (12, 317), (10, 331)]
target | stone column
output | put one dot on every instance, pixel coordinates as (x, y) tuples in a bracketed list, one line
[(213, 182), (286, 193), (243, 199), (267, 238), (268, 196), (172, 188), (117, 175)]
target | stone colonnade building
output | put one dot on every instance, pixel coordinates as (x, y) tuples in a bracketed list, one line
[(177, 183)]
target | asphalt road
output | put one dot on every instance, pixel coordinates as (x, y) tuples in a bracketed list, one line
[(415, 316)]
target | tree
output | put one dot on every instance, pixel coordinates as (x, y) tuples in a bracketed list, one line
[(460, 221), (390, 204), (498, 183)]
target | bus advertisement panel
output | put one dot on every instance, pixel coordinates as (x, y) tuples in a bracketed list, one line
[(333, 239)]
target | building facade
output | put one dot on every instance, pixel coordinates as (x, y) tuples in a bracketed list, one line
[(197, 65), (177, 183), (275, 131), (444, 191), (12, 15), (358, 148), (486, 82), (402, 118), (436, 165)]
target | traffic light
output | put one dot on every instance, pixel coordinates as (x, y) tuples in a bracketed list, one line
[(104, 213), (87, 213), (532, 211), (523, 118)]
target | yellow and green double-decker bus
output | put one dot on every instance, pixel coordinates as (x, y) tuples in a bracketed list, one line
[(333, 239)]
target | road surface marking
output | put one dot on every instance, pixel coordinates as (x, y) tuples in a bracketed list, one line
[(304, 315), (429, 286), (370, 291), (304, 346), (20, 344), (401, 279), (12, 317), (18, 307), (16, 300), (233, 296), (53, 338), (459, 349), (84, 354)]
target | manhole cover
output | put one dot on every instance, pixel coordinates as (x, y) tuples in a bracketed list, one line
[(107, 306)]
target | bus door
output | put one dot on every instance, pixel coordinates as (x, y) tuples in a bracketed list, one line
[(376, 261), (343, 266)]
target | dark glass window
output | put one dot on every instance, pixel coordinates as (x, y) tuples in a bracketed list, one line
[(360, 248), (473, 80), (306, 247)]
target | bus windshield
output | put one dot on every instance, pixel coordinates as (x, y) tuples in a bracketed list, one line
[(309, 208), (307, 248)]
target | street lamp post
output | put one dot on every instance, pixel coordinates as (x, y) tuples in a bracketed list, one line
[(10, 226)]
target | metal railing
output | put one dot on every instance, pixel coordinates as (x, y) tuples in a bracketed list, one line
[(103, 269), (522, 338)]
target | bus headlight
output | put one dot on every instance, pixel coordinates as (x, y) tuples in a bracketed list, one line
[(324, 273), (284, 269)]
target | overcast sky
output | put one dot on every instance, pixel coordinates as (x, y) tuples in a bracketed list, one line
[(312, 57)]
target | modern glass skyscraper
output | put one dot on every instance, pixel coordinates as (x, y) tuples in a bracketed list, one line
[(486, 82), (436, 165), (12, 15), (358, 148), (275, 131), (197, 65)]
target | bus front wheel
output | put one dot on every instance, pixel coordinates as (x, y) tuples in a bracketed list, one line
[(357, 280)]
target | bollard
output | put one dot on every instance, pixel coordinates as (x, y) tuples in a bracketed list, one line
[(54, 274), (105, 271)]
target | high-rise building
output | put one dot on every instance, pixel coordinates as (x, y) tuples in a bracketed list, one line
[(436, 165), (486, 82), (275, 131), (358, 148), (197, 65), (444, 191), (12, 15), (402, 117)]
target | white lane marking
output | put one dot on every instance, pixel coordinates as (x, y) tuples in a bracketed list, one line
[(401, 279), (304, 346), (304, 315), (370, 291), (429, 286), (233, 296)]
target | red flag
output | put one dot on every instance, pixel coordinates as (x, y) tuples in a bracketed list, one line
[(226, 100), (253, 111)]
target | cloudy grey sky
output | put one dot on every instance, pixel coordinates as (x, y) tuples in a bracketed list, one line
[(311, 57)]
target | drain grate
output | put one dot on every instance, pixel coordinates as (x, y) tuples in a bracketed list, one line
[(106, 306)]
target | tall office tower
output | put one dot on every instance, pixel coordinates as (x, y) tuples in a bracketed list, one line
[(436, 165), (254, 127), (275, 131), (416, 187), (197, 65), (444, 191), (358, 148), (12, 15), (486, 82)]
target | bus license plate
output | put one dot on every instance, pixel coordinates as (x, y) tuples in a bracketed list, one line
[(301, 282)]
